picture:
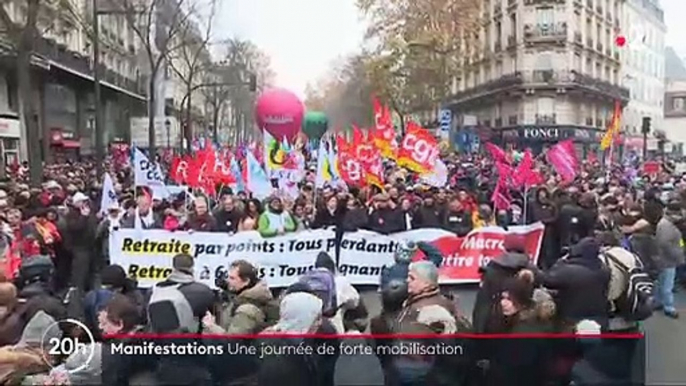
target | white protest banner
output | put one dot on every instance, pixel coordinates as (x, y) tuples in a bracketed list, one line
[(146, 255)]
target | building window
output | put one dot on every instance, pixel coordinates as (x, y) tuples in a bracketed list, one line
[(678, 103), (545, 16), (589, 67), (10, 144), (577, 61), (512, 120)]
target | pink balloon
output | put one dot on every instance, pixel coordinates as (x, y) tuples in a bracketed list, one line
[(280, 112)]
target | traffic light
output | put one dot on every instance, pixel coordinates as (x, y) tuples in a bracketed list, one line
[(252, 83), (645, 128)]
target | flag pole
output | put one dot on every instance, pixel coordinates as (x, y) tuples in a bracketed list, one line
[(526, 200)]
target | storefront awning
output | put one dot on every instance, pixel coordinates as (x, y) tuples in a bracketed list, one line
[(71, 144)]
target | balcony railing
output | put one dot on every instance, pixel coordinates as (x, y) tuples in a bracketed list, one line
[(545, 119), (544, 32), (543, 79), (561, 78), (599, 85), (504, 82), (48, 49), (543, 2)]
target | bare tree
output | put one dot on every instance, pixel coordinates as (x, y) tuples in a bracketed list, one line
[(243, 57), (344, 94), (157, 24), (191, 60), (21, 37)]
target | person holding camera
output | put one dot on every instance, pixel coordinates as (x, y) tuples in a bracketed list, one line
[(250, 308)]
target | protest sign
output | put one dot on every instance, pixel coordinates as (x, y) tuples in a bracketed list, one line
[(147, 255)]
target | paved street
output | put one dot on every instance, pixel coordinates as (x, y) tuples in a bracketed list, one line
[(666, 340)]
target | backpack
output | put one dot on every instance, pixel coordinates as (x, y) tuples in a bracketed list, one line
[(322, 283), (170, 312), (636, 303), (270, 309)]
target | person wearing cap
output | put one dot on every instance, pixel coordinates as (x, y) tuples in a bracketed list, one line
[(80, 240), (385, 218), (275, 221), (426, 311), (670, 256)]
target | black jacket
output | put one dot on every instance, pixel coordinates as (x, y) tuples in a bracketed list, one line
[(386, 221), (81, 230), (581, 286), (227, 221), (428, 217), (574, 223), (459, 223)]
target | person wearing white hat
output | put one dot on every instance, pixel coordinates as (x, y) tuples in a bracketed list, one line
[(80, 239)]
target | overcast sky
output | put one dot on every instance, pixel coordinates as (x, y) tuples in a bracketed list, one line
[(674, 18), (303, 37)]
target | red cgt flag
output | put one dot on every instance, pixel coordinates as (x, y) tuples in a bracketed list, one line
[(419, 149)]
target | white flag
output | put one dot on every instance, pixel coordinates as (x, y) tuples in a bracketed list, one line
[(146, 173), (438, 177), (109, 196)]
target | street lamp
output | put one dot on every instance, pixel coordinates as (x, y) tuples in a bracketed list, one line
[(167, 125)]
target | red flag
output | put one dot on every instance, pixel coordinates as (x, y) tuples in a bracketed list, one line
[(383, 134), (563, 158), (525, 175), (352, 171), (200, 172), (222, 171), (501, 196), (178, 171), (497, 153), (419, 149)]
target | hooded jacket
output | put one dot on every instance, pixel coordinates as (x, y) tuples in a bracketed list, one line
[(245, 313), (581, 281)]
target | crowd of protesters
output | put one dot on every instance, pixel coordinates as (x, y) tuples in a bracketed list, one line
[(55, 243)]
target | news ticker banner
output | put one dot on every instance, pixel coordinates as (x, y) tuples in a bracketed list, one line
[(147, 254)]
